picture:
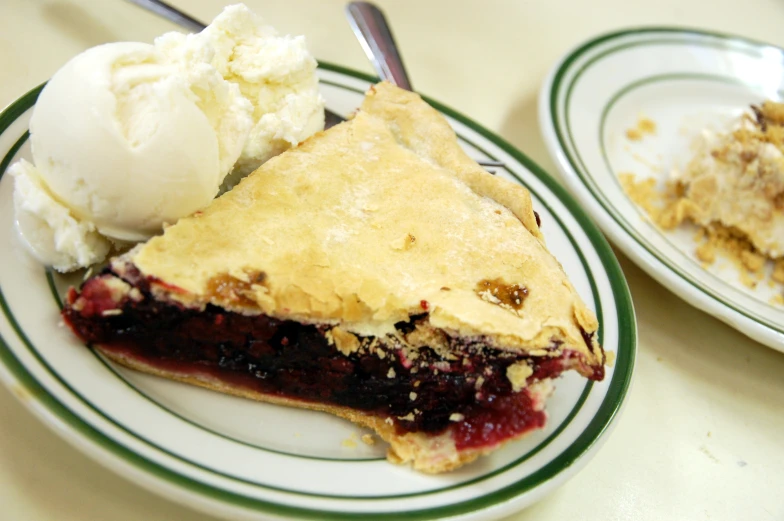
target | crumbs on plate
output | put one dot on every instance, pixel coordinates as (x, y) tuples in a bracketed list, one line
[(733, 190), (644, 126), (350, 442)]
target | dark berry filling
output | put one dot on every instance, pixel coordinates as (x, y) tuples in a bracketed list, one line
[(421, 392)]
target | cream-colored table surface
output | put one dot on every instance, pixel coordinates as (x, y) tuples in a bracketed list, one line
[(702, 436)]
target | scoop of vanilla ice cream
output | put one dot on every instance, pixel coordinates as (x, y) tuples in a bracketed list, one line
[(122, 142), (275, 73), (121, 138), (129, 136)]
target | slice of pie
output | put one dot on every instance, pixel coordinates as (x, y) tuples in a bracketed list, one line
[(374, 272)]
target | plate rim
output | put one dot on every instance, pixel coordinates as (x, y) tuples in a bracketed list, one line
[(115, 455), (553, 133)]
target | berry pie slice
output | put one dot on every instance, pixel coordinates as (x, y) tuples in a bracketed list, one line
[(374, 272)]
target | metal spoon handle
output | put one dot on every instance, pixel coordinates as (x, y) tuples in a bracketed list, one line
[(171, 13), (371, 29)]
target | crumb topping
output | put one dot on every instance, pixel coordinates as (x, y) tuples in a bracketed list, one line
[(344, 341), (423, 336), (518, 375)]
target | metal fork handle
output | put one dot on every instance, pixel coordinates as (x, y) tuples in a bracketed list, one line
[(373, 32), (171, 13)]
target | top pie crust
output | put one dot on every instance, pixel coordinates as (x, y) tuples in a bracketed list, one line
[(379, 218)]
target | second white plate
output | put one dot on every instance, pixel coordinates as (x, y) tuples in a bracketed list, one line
[(682, 80)]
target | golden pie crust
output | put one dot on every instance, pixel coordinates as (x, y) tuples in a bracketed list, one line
[(377, 219)]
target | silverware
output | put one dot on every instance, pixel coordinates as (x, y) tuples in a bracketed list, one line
[(375, 36), (370, 27), (171, 13)]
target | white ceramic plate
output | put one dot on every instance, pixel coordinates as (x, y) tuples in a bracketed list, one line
[(244, 460), (684, 81)]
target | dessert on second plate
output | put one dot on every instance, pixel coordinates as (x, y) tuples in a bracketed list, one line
[(736, 179), (733, 189), (374, 272)]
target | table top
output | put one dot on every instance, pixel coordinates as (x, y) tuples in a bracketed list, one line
[(702, 435)]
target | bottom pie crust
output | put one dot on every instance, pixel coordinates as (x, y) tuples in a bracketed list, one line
[(425, 453)]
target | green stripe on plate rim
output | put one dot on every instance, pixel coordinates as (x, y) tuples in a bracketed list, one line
[(54, 373), (734, 43), (608, 409)]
